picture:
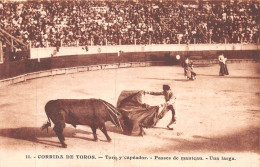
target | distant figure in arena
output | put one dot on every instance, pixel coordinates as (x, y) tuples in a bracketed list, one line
[(169, 103), (188, 69), (223, 66)]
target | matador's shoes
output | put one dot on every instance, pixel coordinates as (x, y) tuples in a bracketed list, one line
[(169, 128)]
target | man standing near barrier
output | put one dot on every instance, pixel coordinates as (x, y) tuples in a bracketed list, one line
[(188, 69), (223, 66), (169, 103)]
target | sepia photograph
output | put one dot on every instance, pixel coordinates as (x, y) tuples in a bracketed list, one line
[(133, 83)]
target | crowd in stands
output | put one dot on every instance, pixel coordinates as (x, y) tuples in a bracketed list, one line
[(71, 23)]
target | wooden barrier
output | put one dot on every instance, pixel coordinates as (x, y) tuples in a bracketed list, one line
[(23, 70), (53, 72)]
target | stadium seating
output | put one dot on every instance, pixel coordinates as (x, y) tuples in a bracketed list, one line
[(81, 23)]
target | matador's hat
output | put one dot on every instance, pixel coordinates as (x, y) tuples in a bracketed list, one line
[(166, 87)]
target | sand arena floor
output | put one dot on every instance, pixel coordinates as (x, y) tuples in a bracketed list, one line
[(216, 116)]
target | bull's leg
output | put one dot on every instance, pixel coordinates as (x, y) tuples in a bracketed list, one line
[(58, 128), (142, 132), (94, 130), (104, 130)]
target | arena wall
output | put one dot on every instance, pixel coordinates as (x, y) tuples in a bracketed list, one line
[(42, 64), (83, 50)]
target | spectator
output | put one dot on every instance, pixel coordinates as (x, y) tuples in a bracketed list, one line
[(66, 22)]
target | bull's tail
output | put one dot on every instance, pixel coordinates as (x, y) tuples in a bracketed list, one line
[(46, 125), (47, 110)]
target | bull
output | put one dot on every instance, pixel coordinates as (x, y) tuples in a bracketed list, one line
[(91, 112)]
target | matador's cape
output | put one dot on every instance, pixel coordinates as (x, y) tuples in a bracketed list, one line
[(139, 115)]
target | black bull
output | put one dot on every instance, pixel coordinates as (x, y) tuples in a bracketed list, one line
[(92, 112)]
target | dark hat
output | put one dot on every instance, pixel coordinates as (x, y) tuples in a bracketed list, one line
[(166, 87)]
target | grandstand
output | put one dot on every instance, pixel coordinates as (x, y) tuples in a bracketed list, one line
[(71, 23), (41, 29)]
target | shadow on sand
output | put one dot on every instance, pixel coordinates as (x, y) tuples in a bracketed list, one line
[(241, 141), (33, 134), (112, 128), (229, 76), (159, 79), (182, 80), (210, 75)]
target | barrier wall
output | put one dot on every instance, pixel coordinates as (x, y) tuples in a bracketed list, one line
[(65, 51), (166, 57), (15, 68)]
